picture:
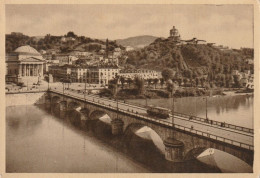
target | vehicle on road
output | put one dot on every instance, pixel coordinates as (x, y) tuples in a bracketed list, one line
[(159, 112)]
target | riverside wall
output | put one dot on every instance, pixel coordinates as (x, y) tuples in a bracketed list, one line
[(24, 98)]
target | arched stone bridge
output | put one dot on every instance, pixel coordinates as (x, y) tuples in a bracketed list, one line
[(178, 141)]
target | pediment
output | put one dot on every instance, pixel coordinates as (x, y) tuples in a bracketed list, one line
[(31, 59)]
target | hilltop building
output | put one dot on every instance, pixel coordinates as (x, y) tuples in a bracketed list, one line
[(174, 34)]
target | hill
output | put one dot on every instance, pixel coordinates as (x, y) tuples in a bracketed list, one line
[(137, 41), (189, 59), (83, 43)]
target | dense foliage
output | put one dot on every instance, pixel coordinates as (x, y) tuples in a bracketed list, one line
[(190, 60), (49, 41)]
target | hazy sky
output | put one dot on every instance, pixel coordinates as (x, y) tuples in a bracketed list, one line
[(230, 25)]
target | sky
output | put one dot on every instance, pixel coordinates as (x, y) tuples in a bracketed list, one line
[(229, 25)]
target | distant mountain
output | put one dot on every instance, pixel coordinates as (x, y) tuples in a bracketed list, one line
[(137, 41)]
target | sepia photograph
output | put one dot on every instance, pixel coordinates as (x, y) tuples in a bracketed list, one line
[(129, 88)]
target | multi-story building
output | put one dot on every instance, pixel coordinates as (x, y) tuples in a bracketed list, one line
[(78, 74), (78, 53), (249, 61), (102, 74), (142, 73), (65, 59), (93, 75), (60, 72), (129, 48)]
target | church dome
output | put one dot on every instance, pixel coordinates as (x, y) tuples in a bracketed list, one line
[(27, 50)]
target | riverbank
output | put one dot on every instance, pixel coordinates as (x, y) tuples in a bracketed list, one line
[(132, 93)]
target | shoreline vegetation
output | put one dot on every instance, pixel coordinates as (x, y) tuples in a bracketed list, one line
[(132, 93)]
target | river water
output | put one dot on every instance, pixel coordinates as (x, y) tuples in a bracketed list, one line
[(42, 140)]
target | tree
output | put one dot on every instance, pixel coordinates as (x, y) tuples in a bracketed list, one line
[(197, 81), (155, 81), (71, 34), (202, 81), (139, 84), (180, 80), (171, 87), (122, 80), (237, 82), (161, 82), (112, 86), (167, 74), (185, 81), (129, 81), (149, 82)]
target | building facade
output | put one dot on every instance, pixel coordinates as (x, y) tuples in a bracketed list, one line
[(65, 59), (25, 65), (102, 75), (141, 73)]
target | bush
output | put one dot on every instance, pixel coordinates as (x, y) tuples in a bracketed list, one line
[(20, 84)]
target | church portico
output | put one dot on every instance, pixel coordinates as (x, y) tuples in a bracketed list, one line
[(25, 65)]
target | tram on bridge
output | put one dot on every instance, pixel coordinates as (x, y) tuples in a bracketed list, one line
[(158, 112)]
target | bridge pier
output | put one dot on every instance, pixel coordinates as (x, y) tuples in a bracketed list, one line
[(63, 106), (117, 126), (174, 150), (48, 102)]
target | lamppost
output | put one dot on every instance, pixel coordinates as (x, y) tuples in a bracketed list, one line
[(63, 88), (172, 109), (206, 107), (48, 82), (85, 88), (117, 108)]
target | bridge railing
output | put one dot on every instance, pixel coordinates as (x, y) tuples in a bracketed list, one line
[(222, 124), (25, 91), (212, 122), (168, 123), (192, 130)]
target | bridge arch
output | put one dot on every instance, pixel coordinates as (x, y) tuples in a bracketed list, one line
[(73, 105), (100, 115), (55, 99), (145, 132)]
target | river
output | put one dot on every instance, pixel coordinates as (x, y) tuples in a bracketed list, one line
[(41, 141)]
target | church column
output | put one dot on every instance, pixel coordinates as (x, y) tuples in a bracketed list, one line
[(29, 70), (20, 70), (41, 69), (38, 71), (34, 70), (25, 70)]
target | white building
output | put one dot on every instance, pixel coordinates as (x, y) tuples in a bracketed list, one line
[(129, 48), (25, 65), (102, 75), (65, 59), (141, 73)]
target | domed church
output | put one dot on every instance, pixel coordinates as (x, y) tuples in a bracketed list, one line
[(25, 65)]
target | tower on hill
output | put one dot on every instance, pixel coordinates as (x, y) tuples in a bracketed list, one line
[(174, 34)]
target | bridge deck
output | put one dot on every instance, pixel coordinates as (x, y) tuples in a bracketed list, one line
[(242, 137)]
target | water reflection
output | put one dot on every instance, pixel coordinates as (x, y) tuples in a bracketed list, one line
[(63, 142)]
